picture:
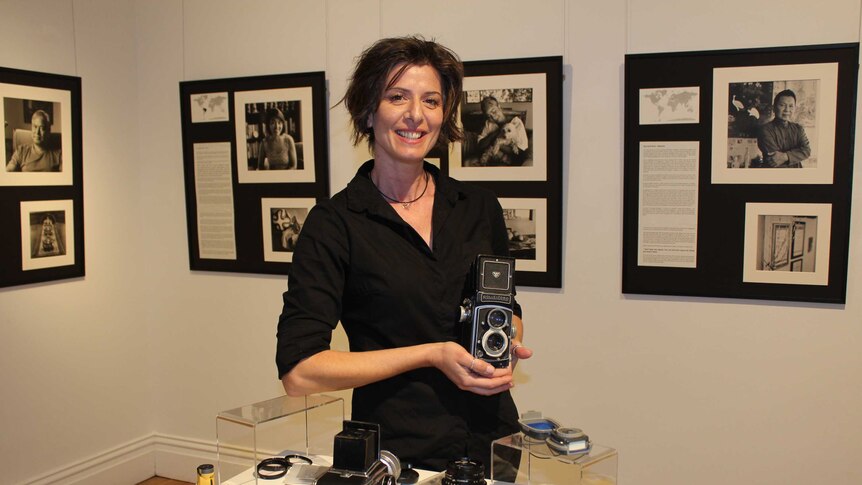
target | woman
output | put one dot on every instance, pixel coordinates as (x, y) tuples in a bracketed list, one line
[(388, 256), (278, 150)]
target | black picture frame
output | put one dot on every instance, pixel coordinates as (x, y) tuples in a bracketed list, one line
[(733, 181), (42, 211), (242, 185), (527, 180)]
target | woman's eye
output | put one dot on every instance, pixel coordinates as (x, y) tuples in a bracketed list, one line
[(396, 97), (433, 102)]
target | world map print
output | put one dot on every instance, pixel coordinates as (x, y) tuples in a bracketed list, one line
[(208, 107), (669, 105)]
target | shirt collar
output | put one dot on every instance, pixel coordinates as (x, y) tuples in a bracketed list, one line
[(362, 195)]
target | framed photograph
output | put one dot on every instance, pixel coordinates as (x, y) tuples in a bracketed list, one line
[(746, 195), (256, 161), (771, 235), (270, 132), (527, 231), (41, 182), (511, 114), (774, 118), (47, 229), (282, 220)]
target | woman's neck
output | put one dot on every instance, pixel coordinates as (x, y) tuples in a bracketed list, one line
[(400, 181)]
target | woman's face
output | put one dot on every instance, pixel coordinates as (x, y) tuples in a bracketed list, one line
[(784, 108), (276, 126), (408, 119)]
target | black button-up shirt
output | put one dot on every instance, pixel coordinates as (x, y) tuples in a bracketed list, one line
[(358, 262)]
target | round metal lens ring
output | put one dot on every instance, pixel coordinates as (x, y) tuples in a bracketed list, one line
[(272, 468), (492, 352), (276, 467), (298, 459)]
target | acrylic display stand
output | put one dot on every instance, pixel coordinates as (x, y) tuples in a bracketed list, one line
[(539, 465), (248, 434)]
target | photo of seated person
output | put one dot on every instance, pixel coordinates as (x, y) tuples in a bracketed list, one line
[(373, 259), (502, 141), (278, 150), (43, 154), (783, 142)]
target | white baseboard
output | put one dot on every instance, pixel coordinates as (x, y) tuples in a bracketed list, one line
[(132, 462)]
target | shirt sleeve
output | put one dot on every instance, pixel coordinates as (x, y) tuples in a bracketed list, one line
[(15, 162), (801, 149), (312, 302)]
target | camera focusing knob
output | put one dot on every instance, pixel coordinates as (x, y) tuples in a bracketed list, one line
[(466, 310)]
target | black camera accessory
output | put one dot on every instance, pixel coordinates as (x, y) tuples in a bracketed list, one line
[(534, 425), (357, 446), (276, 467), (464, 471), (569, 441), (357, 458), (486, 313), (408, 475)]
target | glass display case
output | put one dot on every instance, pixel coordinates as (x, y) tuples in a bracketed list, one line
[(296, 425), (521, 460)]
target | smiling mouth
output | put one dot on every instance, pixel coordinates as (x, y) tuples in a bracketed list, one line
[(410, 135)]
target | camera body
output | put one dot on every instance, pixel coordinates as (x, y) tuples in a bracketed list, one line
[(486, 313), (358, 460)]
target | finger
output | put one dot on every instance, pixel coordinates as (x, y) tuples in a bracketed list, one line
[(481, 368), (522, 352)]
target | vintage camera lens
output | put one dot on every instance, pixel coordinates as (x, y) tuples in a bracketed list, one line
[(464, 471), (497, 318), (494, 343)]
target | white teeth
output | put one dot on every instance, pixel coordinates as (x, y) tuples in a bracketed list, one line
[(413, 135)]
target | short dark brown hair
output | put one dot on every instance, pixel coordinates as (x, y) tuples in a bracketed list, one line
[(372, 71)]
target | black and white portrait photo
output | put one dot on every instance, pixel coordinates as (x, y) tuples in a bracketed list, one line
[(283, 219), (47, 234), (505, 122), (498, 127), (37, 141), (773, 124), (274, 135), (35, 133), (777, 118)]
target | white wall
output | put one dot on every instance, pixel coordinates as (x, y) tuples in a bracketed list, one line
[(690, 390), (74, 364)]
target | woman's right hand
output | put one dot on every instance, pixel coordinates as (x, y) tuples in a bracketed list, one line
[(469, 373)]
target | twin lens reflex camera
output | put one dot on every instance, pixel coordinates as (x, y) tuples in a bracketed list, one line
[(486, 313)]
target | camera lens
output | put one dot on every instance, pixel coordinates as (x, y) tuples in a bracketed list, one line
[(464, 471), (494, 343), (497, 318)]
